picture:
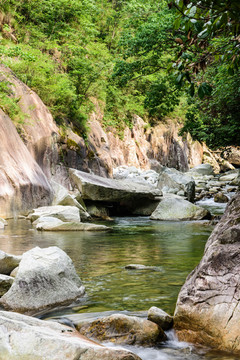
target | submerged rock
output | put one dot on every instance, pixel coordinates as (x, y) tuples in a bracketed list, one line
[(63, 213), (160, 317), (45, 278), (175, 208), (208, 307), (142, 267), (123, 329), (24, 337), (8, 262)]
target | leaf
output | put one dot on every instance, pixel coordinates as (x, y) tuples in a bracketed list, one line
[(192, 90), (179, 79), (201, 92)]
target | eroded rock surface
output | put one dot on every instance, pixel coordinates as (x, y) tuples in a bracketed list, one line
[(63, 213), (123, 329), (24, 337), (45, 278), (208, 306), (8, 262)]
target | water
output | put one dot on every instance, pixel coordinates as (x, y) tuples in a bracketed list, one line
[(174, 248)]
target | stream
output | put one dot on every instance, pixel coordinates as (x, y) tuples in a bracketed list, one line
[(172, 248)]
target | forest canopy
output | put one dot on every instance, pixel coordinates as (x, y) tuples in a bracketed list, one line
[(151, 58)]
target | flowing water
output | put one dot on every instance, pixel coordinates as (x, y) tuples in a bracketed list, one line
[(173, 249)]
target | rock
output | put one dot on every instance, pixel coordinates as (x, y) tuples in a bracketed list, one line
[(142, 267), (5, 283), (14, 272), (24, 337), (172, 208), (63, 213), (220, 198), (210, 158), (160, 317), (232, 154), (98, 211), (3, 223), (96, 188), (62, 197), (203, 169), (8, 262), (208, 307), (230, 176), (147, 177), (190, 191), (123, 329), (53, 224), (45, 278)]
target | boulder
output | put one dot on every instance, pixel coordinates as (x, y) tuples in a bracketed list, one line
[(5, 283), (45, 278), (24, 337), (97, 188), (53, 224), (63, 197), (232, 154), (63, 213), (203, 169), (123, 329), (229, 176), (98, 211), (160, 317), (8, 262), (208, 307), (220, 198), (175, 208)]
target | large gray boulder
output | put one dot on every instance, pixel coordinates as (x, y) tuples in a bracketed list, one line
[(208, 306), (45, 278), (123, 329), (28, 338), (176, 208), (63, 213), (8, 262), (97, 188)]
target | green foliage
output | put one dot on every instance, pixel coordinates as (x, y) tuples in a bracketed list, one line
[(9, 104)]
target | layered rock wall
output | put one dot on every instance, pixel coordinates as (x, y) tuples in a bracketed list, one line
[(208, 306)]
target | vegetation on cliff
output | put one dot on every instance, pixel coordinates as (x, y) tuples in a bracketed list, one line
[(135, 56)]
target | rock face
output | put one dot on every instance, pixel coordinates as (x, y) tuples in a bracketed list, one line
[(23, 184), (208, 306), (24, 337), (123, 329), (45, 278), (175, 208)]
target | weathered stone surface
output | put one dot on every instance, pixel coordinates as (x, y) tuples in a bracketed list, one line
[(63, 213), (8, 262), (3, 223), (45, 278), (232, 154), (24, 337), (53, 224), (208, 306), (229, 176), (203, 169), (5, 283), (63, 197), (97, 188), (160, 317), (123, 329), (220, 198), (174, 208), (98, 211)]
